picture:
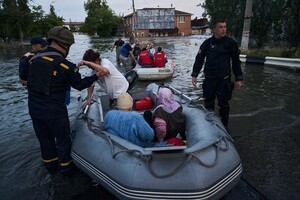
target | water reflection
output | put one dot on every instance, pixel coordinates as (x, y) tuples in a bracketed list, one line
[(264, 121)]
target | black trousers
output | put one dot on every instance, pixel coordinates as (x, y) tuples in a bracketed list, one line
[(55, 143), (222, 89)]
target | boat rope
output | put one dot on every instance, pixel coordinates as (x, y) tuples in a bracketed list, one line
[(129, 151), (210, 116), (177, 169), (218, 148), (189, 156)]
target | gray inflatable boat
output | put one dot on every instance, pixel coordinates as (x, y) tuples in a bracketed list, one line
[(206, 168)]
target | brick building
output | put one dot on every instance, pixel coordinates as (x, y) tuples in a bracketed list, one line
[(158, 22)]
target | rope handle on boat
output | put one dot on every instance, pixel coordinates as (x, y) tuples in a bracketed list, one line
[(176, 170), (188, 158), (218, 148), (209, 116), (114, 154)]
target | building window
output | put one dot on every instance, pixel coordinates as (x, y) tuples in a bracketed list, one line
[(181, 19)]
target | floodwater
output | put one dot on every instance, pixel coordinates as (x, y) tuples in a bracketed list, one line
[(264, 122)]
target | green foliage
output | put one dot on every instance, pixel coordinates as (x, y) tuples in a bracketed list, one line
[(273, 21), (231, 11), (18, 20), (100, 19)]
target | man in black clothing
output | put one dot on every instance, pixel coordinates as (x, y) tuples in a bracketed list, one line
[(37, 44), (50, 75), (222, 56), (118, 44)]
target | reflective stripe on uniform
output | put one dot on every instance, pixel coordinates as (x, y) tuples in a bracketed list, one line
[(66, 164), (47, 58), (64, 66), (51, 160)]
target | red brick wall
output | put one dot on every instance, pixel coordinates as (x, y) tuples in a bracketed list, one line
[(184, 28)]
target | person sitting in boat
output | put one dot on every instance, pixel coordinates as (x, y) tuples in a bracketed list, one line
[(167, 118), (128, 124), (145, 58), (151, 48), (160, 58), (111, 80)]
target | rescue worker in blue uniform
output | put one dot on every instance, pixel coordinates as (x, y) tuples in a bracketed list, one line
[(37, 44), (50, 75), (222, 56)]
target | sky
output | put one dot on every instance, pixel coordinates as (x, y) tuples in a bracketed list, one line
[(73, 9)]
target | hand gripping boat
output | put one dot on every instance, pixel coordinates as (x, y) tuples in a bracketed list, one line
[(206, 168)]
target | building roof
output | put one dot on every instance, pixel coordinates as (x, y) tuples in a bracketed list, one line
[(177, 12), (199, 22)]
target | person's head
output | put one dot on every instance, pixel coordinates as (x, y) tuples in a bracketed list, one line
[(38, 43), (92, 56), (159, 49), (61, 38), (124, 102), (119, 37), (165, 96), (219, 28), (166, 99), (131, 40)]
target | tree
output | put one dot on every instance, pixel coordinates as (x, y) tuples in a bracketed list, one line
[(43, 23), (231, 11), (10, 18), (100, 19), (262, 21), (292, 22)]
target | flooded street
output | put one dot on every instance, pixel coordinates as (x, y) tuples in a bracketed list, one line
[(264, 122)]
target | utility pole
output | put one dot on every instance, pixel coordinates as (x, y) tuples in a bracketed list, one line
[(134, 21), (247, 23)]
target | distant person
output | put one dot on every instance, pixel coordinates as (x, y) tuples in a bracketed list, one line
[(136, 52), (145, 58), (222, 56), (37, 44), (118, 44), (111, 80), (50, 75), (160, 58), (128, 124), (167, 119), (126, 55), (151, 48)]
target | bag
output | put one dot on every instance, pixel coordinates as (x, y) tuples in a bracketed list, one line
[(176, 141), (143, 104)]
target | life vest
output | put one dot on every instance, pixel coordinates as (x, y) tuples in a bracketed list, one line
[(159, 59), (145, 59), (41, 71)]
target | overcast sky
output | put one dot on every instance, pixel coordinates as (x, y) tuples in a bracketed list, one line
[(73, 9)]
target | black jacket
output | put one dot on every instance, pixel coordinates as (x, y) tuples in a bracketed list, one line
[(222, 56)]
